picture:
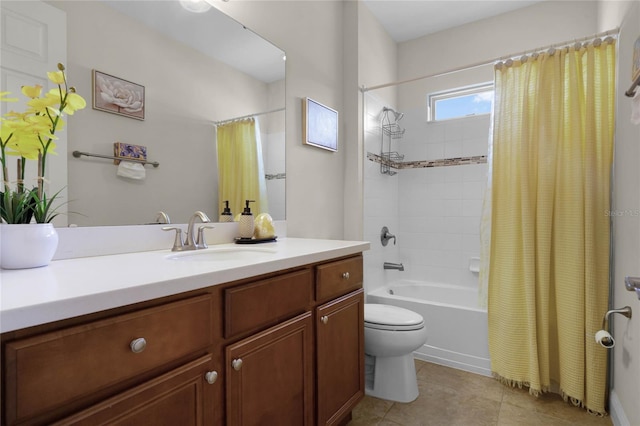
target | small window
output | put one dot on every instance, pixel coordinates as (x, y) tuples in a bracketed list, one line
[(461, 102)]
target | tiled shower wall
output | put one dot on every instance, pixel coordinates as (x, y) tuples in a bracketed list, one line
[(435, 211), (273, 152), (380, 204)]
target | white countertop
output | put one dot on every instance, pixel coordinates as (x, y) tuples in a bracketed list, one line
[(73, 287)]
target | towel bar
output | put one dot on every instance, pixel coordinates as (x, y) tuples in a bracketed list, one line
[(79, 154)]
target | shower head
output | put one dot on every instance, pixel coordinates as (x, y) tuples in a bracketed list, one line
[(397, 115)]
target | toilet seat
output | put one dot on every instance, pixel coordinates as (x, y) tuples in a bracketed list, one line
[(393, 318)]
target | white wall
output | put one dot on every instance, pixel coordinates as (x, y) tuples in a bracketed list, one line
[(532, 27), (625, 409)]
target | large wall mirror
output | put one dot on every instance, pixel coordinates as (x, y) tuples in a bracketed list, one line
[(199, 71)]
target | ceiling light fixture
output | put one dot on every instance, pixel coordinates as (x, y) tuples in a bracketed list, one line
[(195, 6)]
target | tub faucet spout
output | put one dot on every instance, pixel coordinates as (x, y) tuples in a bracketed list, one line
[(398, 266)]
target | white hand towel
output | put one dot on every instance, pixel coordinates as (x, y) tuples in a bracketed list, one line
[(635, 107), (131, 170)]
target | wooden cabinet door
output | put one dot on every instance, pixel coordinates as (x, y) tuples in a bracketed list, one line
[(270, 376), (340, 357), (181, 397)]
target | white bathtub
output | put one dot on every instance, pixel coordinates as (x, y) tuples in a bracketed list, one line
[(456, 326)]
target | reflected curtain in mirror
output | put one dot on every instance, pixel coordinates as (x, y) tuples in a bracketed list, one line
[(241, 173), (550, 235)]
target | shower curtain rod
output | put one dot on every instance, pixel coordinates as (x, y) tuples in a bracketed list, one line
[(364, 89), (229, 120)]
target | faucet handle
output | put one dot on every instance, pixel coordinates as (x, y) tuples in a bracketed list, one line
[(385, 236), (200, 241), (178, 243)]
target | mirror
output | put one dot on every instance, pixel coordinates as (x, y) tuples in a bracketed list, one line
[(197, 69)]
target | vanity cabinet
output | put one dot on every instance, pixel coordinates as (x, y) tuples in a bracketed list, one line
[(340, 355), (284, 348), (270, 376)]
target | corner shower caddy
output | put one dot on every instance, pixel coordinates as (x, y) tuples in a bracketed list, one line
[(390, 130)]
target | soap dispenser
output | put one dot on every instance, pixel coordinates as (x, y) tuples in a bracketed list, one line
[(246, 221), (226, 215)]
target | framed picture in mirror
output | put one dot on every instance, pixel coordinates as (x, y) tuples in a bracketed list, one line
[(117, 96), (319, 125)]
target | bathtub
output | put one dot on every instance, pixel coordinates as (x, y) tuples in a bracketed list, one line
[(456, 326)]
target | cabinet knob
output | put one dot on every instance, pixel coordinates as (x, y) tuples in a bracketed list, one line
[(236, 364), (324, 319), (138, 345), (345, 275), (211, 377)]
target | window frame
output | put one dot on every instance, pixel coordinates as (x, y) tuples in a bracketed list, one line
[(457, 92)]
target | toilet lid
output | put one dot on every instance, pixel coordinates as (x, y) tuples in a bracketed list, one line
[(387, 317)]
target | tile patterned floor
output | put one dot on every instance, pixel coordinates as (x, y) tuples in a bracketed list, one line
[(450, 397)]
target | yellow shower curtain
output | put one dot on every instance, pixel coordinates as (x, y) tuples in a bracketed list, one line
[(240, 166), (548, 282)]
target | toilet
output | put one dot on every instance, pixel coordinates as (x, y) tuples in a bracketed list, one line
[(391, 334)]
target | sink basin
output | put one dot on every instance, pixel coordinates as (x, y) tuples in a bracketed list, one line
[(225, 254)]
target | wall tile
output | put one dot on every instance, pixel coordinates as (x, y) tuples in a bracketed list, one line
[(453, 149), (434, 211)]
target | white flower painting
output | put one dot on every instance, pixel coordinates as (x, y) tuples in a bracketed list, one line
[(118, 96)]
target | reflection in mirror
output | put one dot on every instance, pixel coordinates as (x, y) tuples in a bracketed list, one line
[(193, 78)]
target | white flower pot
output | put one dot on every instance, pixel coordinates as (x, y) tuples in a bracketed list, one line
[(25, 246)]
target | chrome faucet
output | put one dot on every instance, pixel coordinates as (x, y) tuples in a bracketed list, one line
[(389, 265), (162, 217), (190, 242)]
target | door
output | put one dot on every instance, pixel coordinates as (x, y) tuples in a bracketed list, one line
[(340, 349), (270, 376), (33, 41)]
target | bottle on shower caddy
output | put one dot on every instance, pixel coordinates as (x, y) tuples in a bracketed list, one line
[(226, 215), (246, 221)]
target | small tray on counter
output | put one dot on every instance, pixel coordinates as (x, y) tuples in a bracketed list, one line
[(240, 240)]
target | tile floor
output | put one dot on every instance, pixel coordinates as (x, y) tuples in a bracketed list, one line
[(450, 397)]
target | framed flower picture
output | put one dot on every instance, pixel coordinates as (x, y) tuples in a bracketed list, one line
[(319, 125), (118, 96)]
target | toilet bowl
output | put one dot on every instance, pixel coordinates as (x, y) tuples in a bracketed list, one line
[(391, 334)]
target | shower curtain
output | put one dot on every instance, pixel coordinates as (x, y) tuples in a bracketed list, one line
[(240, 166), (548, 278)]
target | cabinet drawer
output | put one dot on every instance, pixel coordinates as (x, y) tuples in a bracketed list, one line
[(337, 278), (53, 369), (262, 303), (178, 397)]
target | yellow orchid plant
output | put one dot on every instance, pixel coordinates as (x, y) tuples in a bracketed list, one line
[(30, 135)]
